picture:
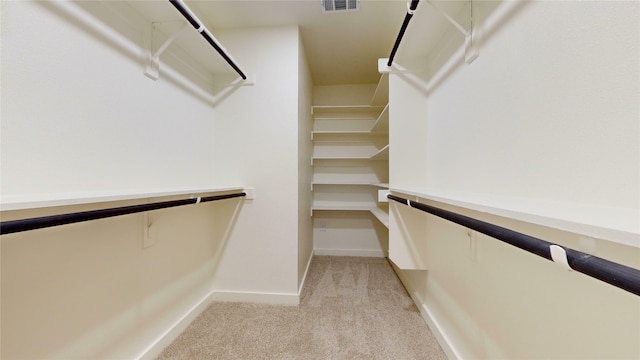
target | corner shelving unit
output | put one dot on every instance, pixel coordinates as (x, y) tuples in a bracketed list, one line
[(350, 155)]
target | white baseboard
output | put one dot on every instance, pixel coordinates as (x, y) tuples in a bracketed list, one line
[(436, 329), (154, 350), (350, 252), (255, 297), (304, 277)]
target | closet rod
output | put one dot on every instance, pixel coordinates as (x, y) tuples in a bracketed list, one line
[(13, 226), (411, 7), (193, 20), (621, 276)]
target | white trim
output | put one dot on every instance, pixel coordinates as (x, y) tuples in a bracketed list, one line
[(256, 297), (30, 201), (164, 340), (436, 329), (445, 343), (615, 224), (350, 252), (304, 277)]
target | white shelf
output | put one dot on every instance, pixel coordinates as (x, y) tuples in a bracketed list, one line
[(381, 215), (338, 207), (340, 183), (383, 154), (339, 158), (338, 132), (358, 133), (346, 183), (33, 201), (381, 126), (345, 109), (619, 225)]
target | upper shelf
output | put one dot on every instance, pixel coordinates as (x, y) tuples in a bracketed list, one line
[(22, 202), (619, 225), (163, 20)]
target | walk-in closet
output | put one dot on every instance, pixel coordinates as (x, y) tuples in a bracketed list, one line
[(320, 179)]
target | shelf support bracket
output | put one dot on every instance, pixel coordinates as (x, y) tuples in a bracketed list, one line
[(470, 48), (153, 37)]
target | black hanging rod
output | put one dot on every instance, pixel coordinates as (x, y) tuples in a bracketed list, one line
[(13, 226), (206, 35), (411, 8), (621, 276)]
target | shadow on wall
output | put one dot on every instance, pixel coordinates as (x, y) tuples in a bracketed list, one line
[(92, 290), (425, 75), (118, 26)]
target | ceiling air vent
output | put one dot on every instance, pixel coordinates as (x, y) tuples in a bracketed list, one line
[(340, 5)]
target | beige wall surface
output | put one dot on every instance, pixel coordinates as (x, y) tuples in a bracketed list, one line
[(548, 112), (92, 290), (78, 111), (305, 149), (256, 144), (79, 116)]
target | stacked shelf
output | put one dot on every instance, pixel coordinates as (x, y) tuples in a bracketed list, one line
[(350, 156)]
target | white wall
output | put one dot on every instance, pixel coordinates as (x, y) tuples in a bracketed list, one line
[(78, 115), (90, 290), (78, 111), (349, 233), (550, 106), (305, 172), (256, 144), (548, 111), (485, 299)]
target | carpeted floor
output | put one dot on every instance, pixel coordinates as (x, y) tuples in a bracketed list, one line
[(351, 308)]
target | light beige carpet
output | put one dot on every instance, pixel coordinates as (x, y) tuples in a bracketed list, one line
[(351, 308)]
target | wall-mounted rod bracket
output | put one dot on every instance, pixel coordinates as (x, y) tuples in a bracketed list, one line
[(470, 48), (156, 46), (206, 34)]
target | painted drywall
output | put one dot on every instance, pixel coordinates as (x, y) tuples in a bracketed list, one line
[(91, 290), (305, 171), (408, 130), (548, 111), (487, 299), (79, 116), (256, 144), (349, 233), (550, 107), (78, 111)]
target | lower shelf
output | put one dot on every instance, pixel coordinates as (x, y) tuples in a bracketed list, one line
[(379, 213)]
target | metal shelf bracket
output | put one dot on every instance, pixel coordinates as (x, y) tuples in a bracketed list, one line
[(470, 47), (153, 39)]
